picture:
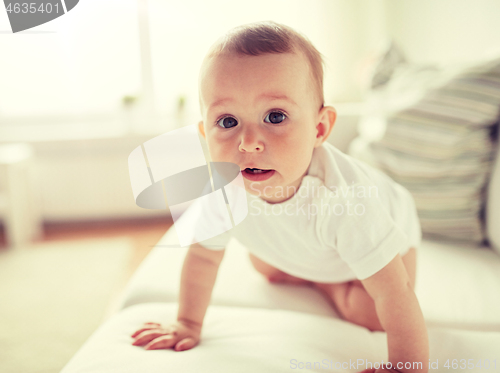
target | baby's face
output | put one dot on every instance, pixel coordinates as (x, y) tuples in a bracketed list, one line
[(261, 112)]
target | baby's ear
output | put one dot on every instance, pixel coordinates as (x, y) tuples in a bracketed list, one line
[(201, 129), (326, 119)]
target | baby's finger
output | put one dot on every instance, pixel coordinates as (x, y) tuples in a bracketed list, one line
[(146, 337), (185, 344), (142, 330), (146, 326), (165, 341), (151, 326)]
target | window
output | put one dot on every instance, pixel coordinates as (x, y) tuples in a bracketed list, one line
[(77, 66)]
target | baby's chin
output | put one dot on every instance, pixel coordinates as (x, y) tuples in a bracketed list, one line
[(261, 189)]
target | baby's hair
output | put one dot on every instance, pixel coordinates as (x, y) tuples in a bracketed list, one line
[(259, 38)]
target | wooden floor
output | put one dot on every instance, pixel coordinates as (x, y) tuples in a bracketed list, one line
[(144, 233)]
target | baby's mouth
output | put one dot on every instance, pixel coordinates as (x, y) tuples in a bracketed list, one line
[(256, 170), (257, 174)]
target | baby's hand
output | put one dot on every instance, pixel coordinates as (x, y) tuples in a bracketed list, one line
[(179, 335)]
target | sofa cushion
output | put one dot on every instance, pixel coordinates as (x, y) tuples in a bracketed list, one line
[(458, 285), (248, 340)]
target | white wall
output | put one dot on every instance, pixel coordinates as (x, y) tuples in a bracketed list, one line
[(343, 30), (445, 31), (350, 31)]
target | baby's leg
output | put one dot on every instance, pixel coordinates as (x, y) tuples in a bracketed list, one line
[(354, 304), (273, 274)]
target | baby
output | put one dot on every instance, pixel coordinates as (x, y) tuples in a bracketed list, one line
[(261, 98)]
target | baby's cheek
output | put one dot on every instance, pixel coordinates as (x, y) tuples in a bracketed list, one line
[(221, 156), (226, 151), (217, 151)]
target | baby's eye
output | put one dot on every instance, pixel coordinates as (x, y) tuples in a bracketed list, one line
[(275, 117), (227, 122)]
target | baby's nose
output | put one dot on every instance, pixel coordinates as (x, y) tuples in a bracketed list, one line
[(251, 142)]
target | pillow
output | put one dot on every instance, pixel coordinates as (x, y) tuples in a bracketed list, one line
[(386, 64), (493, 206), (441, 149), (392, 83)]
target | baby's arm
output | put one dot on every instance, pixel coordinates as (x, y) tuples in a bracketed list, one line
[(399, 313), (197, 280)]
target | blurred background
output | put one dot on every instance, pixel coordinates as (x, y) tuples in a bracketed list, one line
[(78, 94)]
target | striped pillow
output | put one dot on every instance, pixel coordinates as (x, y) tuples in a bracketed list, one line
[(442, 148)]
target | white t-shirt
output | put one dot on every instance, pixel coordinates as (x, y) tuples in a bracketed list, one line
[(346, 221)]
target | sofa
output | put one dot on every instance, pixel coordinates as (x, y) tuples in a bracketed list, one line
[(256, 326)]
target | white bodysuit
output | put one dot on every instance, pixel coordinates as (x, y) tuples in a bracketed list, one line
[(346, 221)]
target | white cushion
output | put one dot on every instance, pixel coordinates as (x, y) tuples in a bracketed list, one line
[(493, 206), (248, 340), (456, 285)]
